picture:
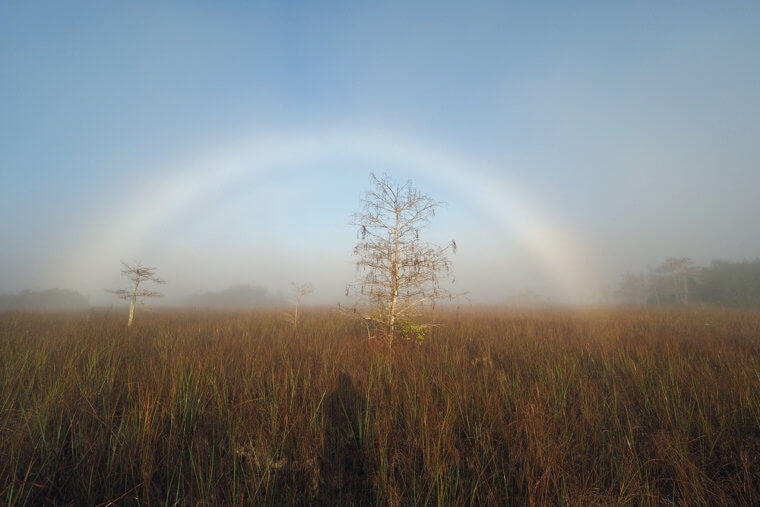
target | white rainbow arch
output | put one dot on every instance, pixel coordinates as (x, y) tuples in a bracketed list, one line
[(555, 248)]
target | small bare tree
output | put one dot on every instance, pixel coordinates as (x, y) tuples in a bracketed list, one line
[(400, 273), (138, 274), (301, 291)]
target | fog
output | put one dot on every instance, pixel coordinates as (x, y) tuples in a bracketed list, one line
[(228, 146)]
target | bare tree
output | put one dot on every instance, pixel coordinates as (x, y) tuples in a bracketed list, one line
[(138, 274), (301, 291), (679, 271), (399, 273)]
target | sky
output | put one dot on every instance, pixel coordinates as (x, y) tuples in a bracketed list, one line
[(229, 143)]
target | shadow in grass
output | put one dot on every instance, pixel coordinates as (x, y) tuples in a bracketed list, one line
[(346, 478)]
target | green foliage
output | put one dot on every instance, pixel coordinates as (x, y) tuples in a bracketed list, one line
[(409, 331)]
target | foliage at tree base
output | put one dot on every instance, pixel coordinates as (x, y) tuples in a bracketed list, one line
[(410, 331)]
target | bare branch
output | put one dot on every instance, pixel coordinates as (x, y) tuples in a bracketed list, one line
[(137, 274), (301, 291)]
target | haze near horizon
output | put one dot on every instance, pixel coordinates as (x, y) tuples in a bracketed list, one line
[(229, 145)]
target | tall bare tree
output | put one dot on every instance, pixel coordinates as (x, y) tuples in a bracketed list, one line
[(138, 274), (399, 273), (301, 291)]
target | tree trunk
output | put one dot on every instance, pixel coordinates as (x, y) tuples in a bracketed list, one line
[(394, 285), (391, 325), (132, 303), (131, 310)]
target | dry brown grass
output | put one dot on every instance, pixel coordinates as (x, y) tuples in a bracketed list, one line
[(495, 407)]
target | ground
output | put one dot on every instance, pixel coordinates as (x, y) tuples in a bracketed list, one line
[(495, 406)]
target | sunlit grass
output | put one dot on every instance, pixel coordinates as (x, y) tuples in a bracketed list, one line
[(496, 406)]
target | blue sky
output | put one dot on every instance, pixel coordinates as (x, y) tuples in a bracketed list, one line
[(632, 128)]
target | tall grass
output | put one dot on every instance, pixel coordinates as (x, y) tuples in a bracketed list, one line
[(494, 407)]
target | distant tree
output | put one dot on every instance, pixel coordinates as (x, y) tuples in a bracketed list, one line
[(527, 297), (735, 284), (679, 274), (138, 274), (237, 296), (679, 281), (633, 289), (399, 273), (300, 291), (44, 299), (654, 286)]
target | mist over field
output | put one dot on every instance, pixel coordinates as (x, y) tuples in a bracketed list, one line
[(229, 146)]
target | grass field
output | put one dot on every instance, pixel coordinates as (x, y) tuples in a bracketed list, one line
[(496, 406)]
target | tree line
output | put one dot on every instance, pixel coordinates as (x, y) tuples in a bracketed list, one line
[(680, 281)]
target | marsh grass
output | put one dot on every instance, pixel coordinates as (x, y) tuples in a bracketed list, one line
[(494, 407)]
